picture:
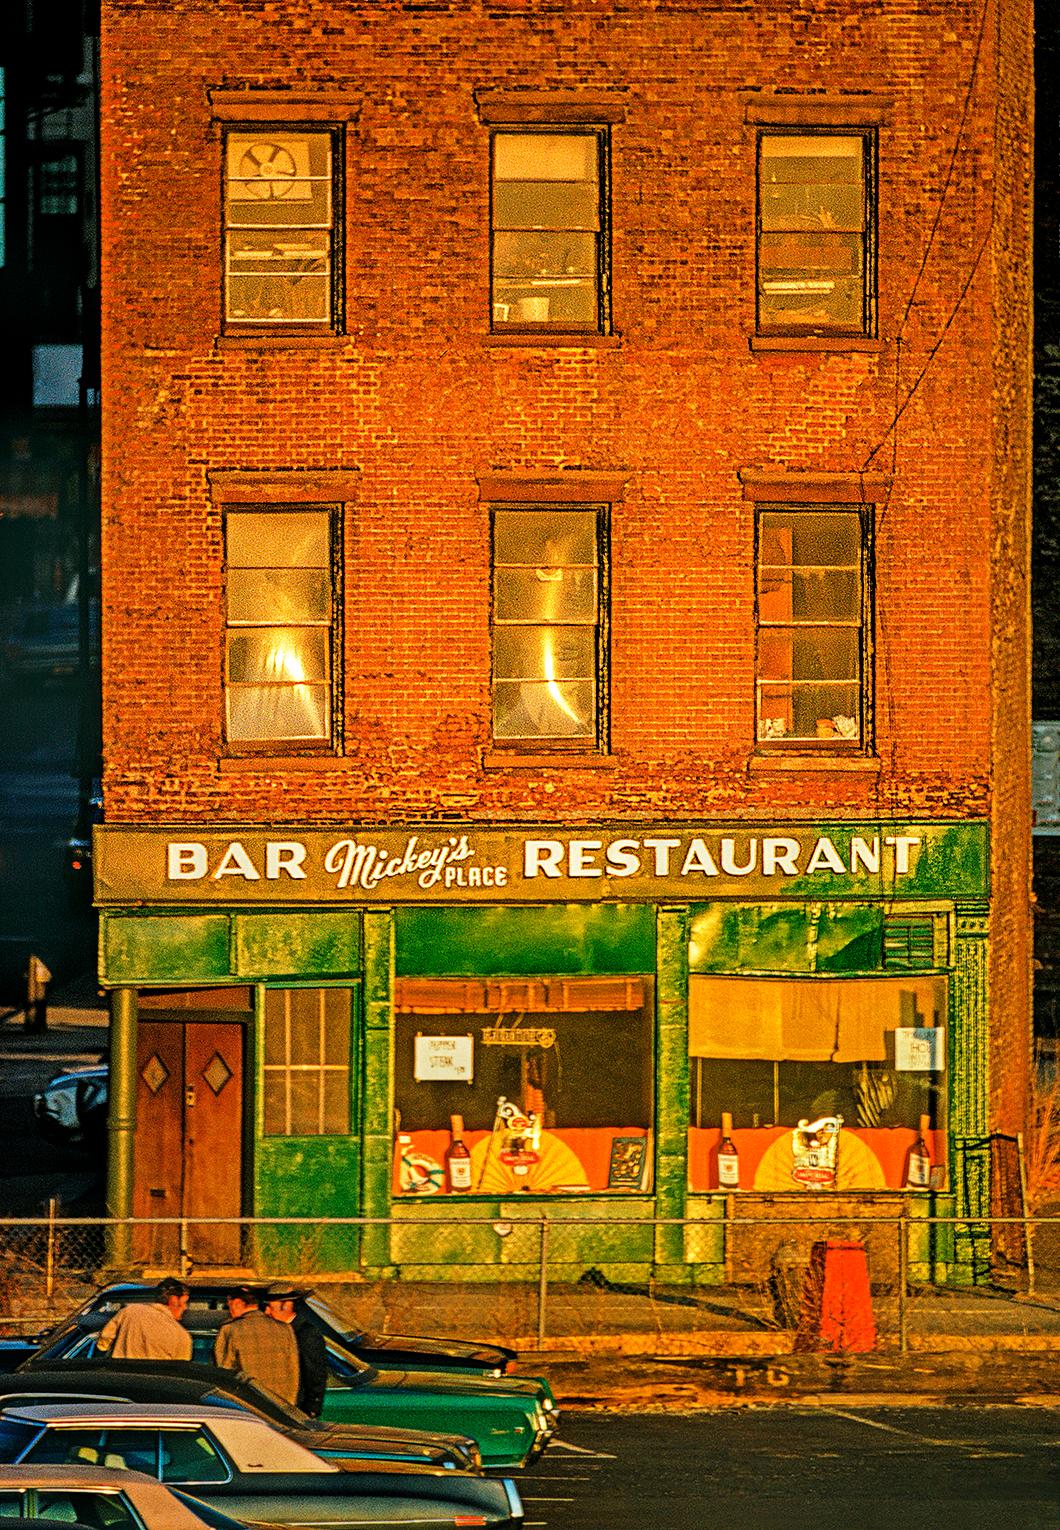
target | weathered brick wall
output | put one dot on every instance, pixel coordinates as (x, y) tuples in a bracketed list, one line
[(415, 400)]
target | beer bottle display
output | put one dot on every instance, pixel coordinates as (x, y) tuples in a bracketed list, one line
[(728, 1157), (457, 1157), (918, 1164)]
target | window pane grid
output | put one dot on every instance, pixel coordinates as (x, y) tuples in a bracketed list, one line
[(279, 228), (547, 236), (546, 629), (279, 627), (307, 1098), (809, 684), (814, 233)]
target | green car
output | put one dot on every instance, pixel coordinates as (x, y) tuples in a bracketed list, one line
[(512, 1420)]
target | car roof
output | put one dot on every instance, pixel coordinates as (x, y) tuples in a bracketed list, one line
[(46, 1476), (123, 1412), (151, 1498)]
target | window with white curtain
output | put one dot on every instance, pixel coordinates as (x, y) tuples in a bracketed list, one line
[(280, 626)]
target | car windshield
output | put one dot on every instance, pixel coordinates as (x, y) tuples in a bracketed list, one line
[(327, 1314), (14, 1437)]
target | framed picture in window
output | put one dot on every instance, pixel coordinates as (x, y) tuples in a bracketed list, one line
[(629, 1163)]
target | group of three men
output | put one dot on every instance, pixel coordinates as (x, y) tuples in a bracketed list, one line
[(267, 1336)]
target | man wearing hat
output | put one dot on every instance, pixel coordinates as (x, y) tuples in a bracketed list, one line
[(251, 1342), (280, 1305)]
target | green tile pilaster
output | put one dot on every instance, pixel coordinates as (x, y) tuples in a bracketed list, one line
[(121, 1124), (969, 1079), (378, 1095), (671, 1079)]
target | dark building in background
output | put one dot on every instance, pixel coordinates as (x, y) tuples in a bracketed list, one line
[(49, 319)]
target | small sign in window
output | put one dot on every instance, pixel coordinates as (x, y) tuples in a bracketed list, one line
[(444, 1057)]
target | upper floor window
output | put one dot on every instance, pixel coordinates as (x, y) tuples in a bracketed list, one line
[(281, 639), (280, 228), (549, 630), (549, 246), (813, 626), (816, 241)]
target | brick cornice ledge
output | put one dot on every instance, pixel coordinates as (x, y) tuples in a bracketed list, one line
[(278, 486), (256, 105), (516, 106), (816, 109), (811, 488), (574, 486)]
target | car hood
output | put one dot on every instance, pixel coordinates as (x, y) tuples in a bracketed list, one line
[(405, 1444), (470, 1388), (399, 1346)]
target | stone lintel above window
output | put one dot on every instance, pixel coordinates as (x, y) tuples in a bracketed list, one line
[(500, 107), (574, 488), (283, 106), (768, 109), (309, 486), (766, 485)]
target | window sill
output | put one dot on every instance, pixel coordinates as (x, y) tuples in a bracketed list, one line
[(514, 759), (814, 343), (766, 764), (283, 764), (566, 339), (271, 341)]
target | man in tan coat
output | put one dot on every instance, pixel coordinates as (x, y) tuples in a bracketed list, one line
[(253, 1343), (149, 1330)]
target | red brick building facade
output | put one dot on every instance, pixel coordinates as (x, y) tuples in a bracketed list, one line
[(715, 318)]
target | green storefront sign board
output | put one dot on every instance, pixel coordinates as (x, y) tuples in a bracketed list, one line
[(187, 866)]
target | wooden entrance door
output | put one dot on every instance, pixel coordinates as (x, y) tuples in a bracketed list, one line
[(189, 1139)]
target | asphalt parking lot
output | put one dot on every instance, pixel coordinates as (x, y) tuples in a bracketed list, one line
[(794, 1468)]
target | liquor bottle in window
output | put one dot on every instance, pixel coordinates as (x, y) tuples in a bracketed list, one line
[(457, 1157), (918, 1164), (728, 1157)]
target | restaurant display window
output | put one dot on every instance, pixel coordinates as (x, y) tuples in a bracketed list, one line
[(541, 1085), (817, 1083)]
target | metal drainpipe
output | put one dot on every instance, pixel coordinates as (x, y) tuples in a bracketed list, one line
[(121, 1124)]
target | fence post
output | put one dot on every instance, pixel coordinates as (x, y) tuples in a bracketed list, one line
[(542, 1282), (1028, 1226), (903, 1283), (49, 1258), (185, 1257)]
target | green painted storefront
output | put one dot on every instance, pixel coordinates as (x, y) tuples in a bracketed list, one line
[(809, 926)]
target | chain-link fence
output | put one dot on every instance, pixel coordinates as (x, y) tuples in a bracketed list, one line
[(554, 1279)]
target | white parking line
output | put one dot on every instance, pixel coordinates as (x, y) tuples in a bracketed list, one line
[(580, 1450), (875, 1423)]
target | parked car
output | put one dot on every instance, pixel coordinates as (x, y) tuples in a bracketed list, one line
[(391, 1351), (96, 1499), (71, 1109), (511, 1418), (15, 1352), (246, 1468), (153, 1381)]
